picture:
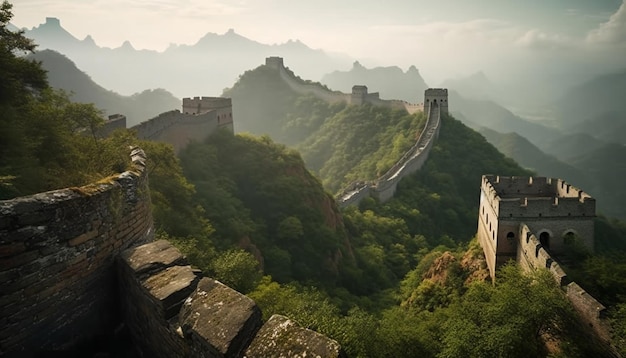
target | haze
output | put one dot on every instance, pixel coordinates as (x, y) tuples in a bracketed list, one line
[(512, 42)]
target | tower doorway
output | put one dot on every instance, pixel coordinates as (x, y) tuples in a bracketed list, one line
[(544, 239)]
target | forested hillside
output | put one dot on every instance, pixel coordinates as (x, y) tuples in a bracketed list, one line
[(400, 279)]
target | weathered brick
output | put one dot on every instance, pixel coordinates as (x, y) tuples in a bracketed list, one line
[(19, 260), (83, 237), (12, 249)]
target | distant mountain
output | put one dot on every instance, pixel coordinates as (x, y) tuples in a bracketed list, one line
[(602, 97), (529, 156), (475, 86), (202, 69), (598, 168), (391, 82), (572, 146), (63, 74), (489, 114), (607, 126), (607, 168)]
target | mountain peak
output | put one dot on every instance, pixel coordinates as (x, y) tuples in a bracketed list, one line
[(413, 69), (88, 40), (127, 46)]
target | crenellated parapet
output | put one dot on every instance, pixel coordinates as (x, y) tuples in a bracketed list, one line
[(201, 117), (551, 208), (529, 220), (199, 105)]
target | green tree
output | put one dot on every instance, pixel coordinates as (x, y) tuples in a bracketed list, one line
[(237, 269), (20, 78), (506, 319)]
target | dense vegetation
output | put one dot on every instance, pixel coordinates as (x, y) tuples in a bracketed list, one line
[(398, 279)]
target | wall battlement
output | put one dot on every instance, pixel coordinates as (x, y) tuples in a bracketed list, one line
[(199, 105), (529, 219), (550, 207), (202, 116)]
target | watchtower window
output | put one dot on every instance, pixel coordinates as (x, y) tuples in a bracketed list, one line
[(544, 239), (569, 238)]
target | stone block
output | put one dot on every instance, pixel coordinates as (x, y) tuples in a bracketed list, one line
[(282, 337), (171, 287), (83, 238), (220, 321), (153, 256)]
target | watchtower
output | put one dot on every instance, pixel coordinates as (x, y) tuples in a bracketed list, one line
[(198, 105), (274, 62), (438, 96), (552, 209), (359, 94)]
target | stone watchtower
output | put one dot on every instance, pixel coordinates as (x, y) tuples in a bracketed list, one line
[(553, 210), (437, 96), (199, 105), (274, 62), (359, 94)]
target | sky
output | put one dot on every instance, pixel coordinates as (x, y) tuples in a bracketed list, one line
[(457, 37)]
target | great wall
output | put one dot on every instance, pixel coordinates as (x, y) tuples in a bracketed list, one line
[(383, 188), (531, 220), (79, 263)]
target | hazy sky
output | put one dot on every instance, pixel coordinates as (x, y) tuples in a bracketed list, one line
[(455, 36)]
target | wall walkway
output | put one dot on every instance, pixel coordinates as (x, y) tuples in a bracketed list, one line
[(385, 186)]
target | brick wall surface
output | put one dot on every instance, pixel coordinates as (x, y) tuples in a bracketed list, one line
[(56, 259)]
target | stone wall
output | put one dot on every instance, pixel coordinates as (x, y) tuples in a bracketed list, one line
[(178, 129), (172, 312), (537, 202), (198, 105), (532, 255), (57, 251), (385, 186), (358, 96)]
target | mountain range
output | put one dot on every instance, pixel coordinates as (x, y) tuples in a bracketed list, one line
[(582, 144), (391, 82), (63, 74), (203, 69)]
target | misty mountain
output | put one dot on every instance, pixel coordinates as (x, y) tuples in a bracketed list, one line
[(475, 86), (607, 168), (601, 98), (63, 74), (529, 156), (489, 114), (572, 146), (391, 82), (203, 69), (607, 126)]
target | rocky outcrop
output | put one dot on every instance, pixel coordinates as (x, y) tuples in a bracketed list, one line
[(172, 312), (282, 337)]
